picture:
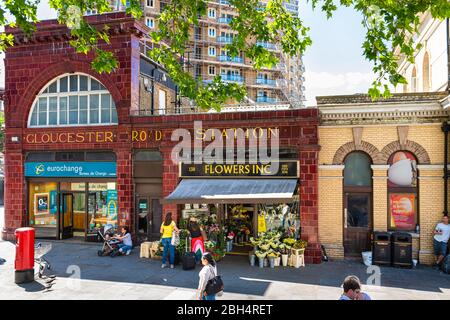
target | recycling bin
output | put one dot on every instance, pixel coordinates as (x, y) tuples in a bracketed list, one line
[(402, 250), (24, 262), (381, 248)]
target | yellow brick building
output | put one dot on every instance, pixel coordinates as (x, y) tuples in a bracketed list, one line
[(353, 131)]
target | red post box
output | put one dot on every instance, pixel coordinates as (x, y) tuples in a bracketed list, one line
[(24, 263)]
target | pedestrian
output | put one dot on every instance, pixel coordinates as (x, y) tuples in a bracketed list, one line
[(167, 229), (352, 289), (208, 272), (197, 240), (440, 240)]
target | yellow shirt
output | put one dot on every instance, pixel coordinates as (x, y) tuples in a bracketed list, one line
[(167, 230)]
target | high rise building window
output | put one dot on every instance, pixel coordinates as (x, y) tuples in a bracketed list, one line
[(211, 13), (150, 22), (212, 51), (212, 32), (150, 3)]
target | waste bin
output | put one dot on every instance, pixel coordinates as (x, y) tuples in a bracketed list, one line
[(381, 248), (24, 262), (402, 250)]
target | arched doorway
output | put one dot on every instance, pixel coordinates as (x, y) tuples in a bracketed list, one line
[(358, 216)]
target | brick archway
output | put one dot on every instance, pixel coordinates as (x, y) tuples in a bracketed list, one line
[(411, 146), (349, 147), (69, 66)]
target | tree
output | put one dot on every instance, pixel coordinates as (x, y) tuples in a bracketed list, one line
[(389, 24)]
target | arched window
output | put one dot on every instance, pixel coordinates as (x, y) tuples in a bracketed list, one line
[(357, 203), (414, 80), (426, 73), (402, 191), (73, 100)]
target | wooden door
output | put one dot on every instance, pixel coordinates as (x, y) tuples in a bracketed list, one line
[(357, 223)]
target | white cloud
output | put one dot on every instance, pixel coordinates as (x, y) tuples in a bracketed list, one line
[(326, 83)]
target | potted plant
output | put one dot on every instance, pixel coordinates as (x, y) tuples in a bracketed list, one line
[(272, 256), (284, 249), (299, 247), (261, 256)]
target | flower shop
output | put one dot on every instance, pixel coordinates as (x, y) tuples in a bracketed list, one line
[(257, 217)]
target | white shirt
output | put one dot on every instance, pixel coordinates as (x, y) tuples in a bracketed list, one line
[(445, 235), (127, 240), (207, 273)]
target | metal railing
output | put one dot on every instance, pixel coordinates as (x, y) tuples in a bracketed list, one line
[(223, 39), (266, 100), (269, 82), (232, 78), (226, 20), (224, 58)]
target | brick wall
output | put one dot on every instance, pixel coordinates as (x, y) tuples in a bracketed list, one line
[(431, 187)]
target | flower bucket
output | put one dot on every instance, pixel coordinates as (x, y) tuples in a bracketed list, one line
[(284, 260), (261, 263), (272, 262), (277, 261), (266, 262), (252, 260)]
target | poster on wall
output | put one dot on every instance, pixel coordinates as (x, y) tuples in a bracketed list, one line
[(402, 170), (41, 202), (403, 210), (111, 200)]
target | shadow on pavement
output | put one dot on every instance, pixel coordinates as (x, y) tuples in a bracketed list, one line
[(239, 276)]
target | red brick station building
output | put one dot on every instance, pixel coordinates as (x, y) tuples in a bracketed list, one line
[(83, 148)]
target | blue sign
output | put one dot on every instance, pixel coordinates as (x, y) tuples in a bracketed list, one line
[(71, 169)]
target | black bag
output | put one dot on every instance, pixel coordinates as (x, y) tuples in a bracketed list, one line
[(188, 260), (214, 286), (446, 264)]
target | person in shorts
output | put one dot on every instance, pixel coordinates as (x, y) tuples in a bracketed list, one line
[(440, 240)]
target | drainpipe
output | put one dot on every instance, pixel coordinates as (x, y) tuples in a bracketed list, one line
[(447, 20), (446, 130)]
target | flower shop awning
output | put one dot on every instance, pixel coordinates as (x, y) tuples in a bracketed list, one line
[(233, 191)]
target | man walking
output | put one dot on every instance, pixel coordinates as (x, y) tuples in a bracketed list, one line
[(441, 236)]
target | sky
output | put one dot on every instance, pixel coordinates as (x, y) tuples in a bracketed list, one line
[(334, 63)]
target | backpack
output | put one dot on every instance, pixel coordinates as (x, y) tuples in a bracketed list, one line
[(214, 285)]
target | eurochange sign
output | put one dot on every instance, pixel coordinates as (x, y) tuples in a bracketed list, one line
[(71, 169)]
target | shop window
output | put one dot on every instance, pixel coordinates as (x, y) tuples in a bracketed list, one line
[(40, 156), (402, 191), (102, 206), (42, 206), (72, 100), (148, 155), (100, 156)]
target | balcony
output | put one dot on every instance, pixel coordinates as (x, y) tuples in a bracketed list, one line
[(225, 20), (223, 39), (224, 58), (267, 45), (266, 100), (232, 78), (267, 82)]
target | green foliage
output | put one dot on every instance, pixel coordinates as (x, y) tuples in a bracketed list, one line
[(388, 24)]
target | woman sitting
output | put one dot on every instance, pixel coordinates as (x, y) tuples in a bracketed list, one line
[(125, 237)]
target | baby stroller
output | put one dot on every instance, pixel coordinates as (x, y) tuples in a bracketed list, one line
[(109, 247)]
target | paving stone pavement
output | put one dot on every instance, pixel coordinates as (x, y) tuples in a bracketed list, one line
[(129, 277)]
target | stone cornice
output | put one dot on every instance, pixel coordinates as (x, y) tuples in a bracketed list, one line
[(404, 108), (51, 31)]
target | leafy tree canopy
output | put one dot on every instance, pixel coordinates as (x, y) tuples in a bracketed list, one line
[(389, 24)]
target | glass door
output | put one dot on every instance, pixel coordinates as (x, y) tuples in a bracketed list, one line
[(143, 217), (66, 215)]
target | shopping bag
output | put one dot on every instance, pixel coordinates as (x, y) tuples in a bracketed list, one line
[(175, 239)]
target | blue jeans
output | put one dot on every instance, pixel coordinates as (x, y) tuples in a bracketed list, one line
[(166, 242), (210, 297), (124, 248)]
